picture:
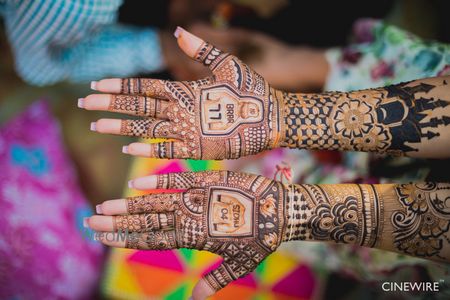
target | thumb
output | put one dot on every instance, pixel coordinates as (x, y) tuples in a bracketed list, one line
[(198, 49), (212, 282)]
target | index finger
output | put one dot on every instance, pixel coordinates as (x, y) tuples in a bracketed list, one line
[(132, 86)]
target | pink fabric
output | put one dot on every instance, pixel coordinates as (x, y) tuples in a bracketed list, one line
[(44, 253)]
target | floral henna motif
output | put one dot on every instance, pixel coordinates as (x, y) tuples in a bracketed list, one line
[(345, 213), (394, 119), (421, 228), (417, 222)]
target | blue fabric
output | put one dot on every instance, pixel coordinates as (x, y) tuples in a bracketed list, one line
[(57, 40)]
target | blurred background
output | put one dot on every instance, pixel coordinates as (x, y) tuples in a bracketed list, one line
[(54, 170)]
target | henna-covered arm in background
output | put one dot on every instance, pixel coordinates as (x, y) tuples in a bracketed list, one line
[(235, 113), (244, 218)]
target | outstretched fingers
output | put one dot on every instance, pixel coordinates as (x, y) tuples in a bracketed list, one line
[(157, 240), (150, 203), (198, 49), (132, 86), (132, 223), (169, 150), (142, 106), (147, 128)]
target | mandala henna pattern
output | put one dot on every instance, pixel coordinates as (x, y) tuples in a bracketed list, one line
[(394, 119), (410, 218)]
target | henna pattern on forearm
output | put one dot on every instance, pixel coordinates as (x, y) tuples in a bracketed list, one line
[(236, 113), (244, 218), (413, 219), (395, 119)]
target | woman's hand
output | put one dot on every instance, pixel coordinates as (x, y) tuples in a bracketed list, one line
[(231, 114), (239, 216)]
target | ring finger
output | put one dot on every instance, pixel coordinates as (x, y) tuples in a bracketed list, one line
[(147, 128), (133, 223)]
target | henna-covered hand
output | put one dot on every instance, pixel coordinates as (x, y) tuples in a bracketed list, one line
[(238, 216), (245, 217), (231, 114), (236, 113)]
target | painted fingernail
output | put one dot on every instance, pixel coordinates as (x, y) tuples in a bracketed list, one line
[(94, 85), (130, 184), (81, 102), (178, 31), (93, 126), (125, 149), (86, 222), (98, 209)]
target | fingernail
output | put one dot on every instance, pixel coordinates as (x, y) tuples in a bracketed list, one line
[(98, 209), (178, 31), (86, 222), (94, 85), (125, 149), (130, 184), (81, 102), (93, 126)]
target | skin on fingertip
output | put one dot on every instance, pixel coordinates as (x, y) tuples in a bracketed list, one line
[(97, 102), (109, 126), (189, 43), (202, 290), (110, 85), (139, 149), (114, 207), (101, 223), (145, 183)]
